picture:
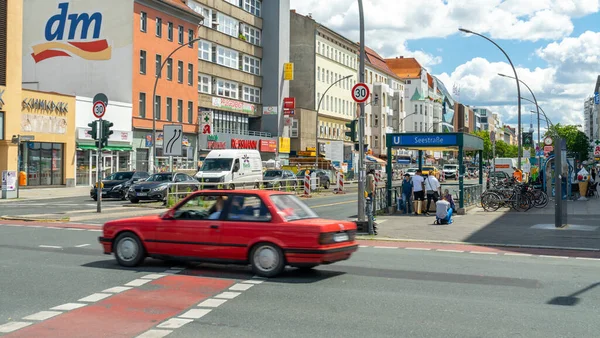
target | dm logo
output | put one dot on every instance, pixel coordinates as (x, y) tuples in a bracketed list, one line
[(60, 40)]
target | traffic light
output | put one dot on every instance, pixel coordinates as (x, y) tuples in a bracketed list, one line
[(94, 131), (106, 132), (352, 133), (527, 139)]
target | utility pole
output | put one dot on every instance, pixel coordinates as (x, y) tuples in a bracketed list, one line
[(99, 167), (361, 122)]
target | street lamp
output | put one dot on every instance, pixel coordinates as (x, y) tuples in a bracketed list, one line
[(158, 76), (518, 85), (404, 118), (541, 110), (317, 120)]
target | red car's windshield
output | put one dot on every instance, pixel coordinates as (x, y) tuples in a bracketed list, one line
[(291, 208)]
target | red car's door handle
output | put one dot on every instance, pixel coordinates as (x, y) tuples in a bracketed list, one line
[(214, 226)]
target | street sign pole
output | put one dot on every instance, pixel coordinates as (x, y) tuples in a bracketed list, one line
[(361, 123), (18, 163), (99, 169)]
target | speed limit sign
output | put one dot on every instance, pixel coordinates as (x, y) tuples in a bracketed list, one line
[(98, 109), (360, 92)]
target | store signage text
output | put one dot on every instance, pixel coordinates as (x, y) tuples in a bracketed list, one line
[(216, 145), (243, 144), (213, 137), (45, 105), (233, 105)]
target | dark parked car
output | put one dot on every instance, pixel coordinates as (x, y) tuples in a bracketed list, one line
[(117, 184), (279, 178), (155, 187), (324, 179), (495, 176)]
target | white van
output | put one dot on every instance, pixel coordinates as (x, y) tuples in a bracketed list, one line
[(506, 165), (231, 166)]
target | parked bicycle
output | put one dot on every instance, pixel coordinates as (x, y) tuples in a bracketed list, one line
[(510, 193)]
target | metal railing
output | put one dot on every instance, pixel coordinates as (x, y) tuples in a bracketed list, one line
[(243, 132), (471, 193)]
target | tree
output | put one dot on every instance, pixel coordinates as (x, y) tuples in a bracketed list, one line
[(577, 142), (487, 143)]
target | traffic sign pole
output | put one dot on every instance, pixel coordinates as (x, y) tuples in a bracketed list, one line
[(99, 169), (361, 124)]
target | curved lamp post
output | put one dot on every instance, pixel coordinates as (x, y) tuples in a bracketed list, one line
[(158, 76), (317, 120), (518, 89), (404, 118), (550, 124)]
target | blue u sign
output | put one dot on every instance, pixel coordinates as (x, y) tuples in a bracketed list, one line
[(424, 141)]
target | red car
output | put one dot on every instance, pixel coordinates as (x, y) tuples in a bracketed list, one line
[(266, 229)]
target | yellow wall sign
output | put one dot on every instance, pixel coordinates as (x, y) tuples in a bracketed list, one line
[(288, 71), (284, 145)]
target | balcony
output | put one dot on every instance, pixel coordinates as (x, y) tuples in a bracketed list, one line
[(243, 132)]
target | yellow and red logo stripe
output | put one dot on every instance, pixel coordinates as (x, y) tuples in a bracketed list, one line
[(92, 50)]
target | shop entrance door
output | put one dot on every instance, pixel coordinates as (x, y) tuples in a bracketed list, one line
[(109, 165)]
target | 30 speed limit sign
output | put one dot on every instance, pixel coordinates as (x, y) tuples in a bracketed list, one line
[(360, 92), (99, 109)]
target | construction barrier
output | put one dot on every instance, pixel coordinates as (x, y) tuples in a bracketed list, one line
[(307, 184), (340, 184)]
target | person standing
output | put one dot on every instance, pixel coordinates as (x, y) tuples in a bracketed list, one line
[(433, 187), (370, 190), (418, 193), (407, 192)]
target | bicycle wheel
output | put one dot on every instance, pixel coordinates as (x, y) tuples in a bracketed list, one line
[(542, 200), (490, 201)]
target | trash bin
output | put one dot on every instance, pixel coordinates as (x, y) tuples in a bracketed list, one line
[(22, 178)]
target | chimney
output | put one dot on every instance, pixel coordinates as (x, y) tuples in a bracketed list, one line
[(293, 11)]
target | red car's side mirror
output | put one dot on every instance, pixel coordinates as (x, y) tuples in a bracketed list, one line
[(169, 214)]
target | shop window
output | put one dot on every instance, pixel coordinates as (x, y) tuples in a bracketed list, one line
[(43, 163), (82, 174)]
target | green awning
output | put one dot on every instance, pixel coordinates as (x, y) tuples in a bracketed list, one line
[(110, 147)]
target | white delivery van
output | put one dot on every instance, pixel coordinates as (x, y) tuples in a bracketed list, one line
[(233, 167), (506, 165)]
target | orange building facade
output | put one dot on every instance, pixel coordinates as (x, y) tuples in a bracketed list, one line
[(160, 27)]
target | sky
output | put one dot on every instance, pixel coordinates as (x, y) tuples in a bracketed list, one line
[(553, 44)]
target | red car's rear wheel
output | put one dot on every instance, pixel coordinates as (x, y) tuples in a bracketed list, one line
[(129, 250), (267, 260)]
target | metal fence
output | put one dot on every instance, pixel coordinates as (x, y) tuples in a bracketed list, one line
[(471, 193)]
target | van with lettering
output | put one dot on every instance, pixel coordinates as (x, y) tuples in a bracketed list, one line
[(506, 165), (232, 168)]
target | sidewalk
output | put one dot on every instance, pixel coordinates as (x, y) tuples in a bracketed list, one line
[(534, 228), (49, 193)]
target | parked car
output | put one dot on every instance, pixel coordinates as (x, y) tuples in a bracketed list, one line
[(495, 176), (279, 178), (431, 170), (117, 184), (324, 180), (155, 187), (450, 171), (266, 229), (411, 171)]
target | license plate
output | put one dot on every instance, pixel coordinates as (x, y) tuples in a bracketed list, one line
[(142, 194), (340, 237)]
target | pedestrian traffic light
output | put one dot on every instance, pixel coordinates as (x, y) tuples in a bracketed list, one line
[(352, 133), (527, 139), (94, 131), (106, 132)]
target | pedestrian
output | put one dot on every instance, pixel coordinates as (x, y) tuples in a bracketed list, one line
[(443, 212), (449, 199), (517, 174), (593, 174), (418, 193), (407, 192), (433, 187), (370, 190)]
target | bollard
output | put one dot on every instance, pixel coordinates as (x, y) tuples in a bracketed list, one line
[(307, 184), (340, 185)]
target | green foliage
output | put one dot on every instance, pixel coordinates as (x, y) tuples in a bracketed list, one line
[(577, 142), (504, 149)]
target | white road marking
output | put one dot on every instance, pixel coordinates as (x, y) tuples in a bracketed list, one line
[(75, 229), (517, 254), (35, 226), (212, 302), (42, 315), (446, 250), (195, 313), (155, 334), (588, 258), (422, 249), (13, 225), (54, 228), (550, 256), (95, 297), (68, 306), (251, 281), (240, 287), (118, 289), (81, 245), (363, 246), (13, 326), (153, 276), (50, 246), (174, 323), (95, 230), (138, 282), (385, 247), (228, 295), (483, 253)]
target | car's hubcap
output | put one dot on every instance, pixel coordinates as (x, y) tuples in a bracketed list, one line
[(266, 258), (127, 249)]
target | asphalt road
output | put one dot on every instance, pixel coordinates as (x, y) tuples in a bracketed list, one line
[(377, 293)]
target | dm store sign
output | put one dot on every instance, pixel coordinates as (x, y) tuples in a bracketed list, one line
[(424, 141)]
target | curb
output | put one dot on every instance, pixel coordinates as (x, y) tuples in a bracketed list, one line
[(144, 206), (35, 219), (502, 245)]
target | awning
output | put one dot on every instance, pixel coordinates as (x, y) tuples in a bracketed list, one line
[(375, 159), (109, 147)]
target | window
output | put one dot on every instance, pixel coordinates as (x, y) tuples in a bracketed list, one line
[(170, 31), (248, 209), (252, 6), (200, 207), (190, 74), (157, 107), (190, 38), (180, 34), (294, 129), (319, 73), (421, 109), (227, 57), (158, 64), (252, 35), (169, 69), (415, 108), (294, 208), (190, 112), (204, 82), (159, 27), (251, 94), (327, 77), (227, 25), (425, 110), (143, 21), (323, 74), (142, 62), (251, 65), (169, 109), (227, 89), (179, 110), (204, 48), (416, 127), (142, 105), (180, 71)]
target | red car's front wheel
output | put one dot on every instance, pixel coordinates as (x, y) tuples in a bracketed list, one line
[(267, 260), (129, 250)]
